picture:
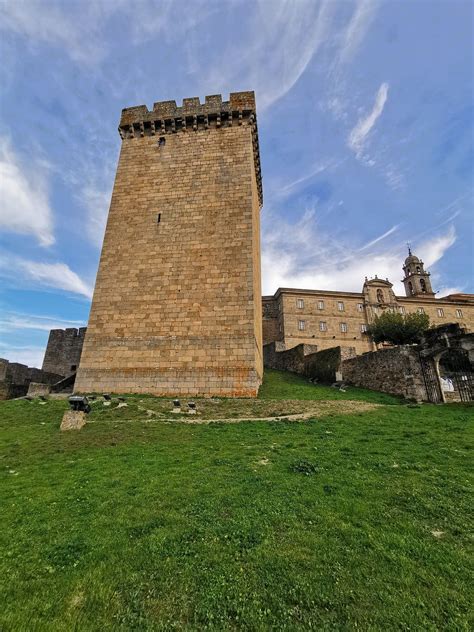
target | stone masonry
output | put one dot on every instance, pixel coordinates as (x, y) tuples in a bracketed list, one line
[(306, 360), (397, 371), (177, 302), (63, 351), (16, 378)]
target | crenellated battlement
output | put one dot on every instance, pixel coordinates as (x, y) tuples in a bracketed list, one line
[(168, 118)]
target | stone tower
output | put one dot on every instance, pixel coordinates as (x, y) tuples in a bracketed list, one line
[(177, 301), (416, 280)]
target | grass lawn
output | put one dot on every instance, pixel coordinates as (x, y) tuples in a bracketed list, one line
[(354, 519)]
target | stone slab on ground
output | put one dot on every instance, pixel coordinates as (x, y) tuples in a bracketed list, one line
[(36, 389), (73, 420)]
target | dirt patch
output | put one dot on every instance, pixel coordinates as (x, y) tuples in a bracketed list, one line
[(236, 410)]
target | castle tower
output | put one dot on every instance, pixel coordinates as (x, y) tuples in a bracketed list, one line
[(177, 302), (417, 281)]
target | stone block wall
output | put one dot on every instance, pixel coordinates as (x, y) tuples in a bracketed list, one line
[(177, 303), (63, 351), (15, 378), (325, 364), (293, 359), (304, 359), (271, 325), (396, 371)]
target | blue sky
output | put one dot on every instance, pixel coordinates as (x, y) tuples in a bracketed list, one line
[(365, 114)]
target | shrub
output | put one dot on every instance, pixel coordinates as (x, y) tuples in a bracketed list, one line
[(399, 329)]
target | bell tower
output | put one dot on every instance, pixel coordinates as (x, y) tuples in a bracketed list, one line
[(417, 281)]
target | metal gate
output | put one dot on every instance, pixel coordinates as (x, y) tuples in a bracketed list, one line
[(430, 377), (456, 366)]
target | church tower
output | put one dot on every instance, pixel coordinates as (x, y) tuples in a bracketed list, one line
[(417, 281), (177, 306)]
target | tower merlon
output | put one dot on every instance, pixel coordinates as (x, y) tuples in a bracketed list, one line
[(240, 103), (168, 118)]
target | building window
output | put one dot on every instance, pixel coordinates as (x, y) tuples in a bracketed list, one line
[(363, 328), (420, 310), (402, 309), (299, 303), (360, 307), (423, 285), (322, 326), (301, 325), (73, 367), (410, 287), (440, 311), (340, 306), (459, 313), (320, 304), (344, 328)]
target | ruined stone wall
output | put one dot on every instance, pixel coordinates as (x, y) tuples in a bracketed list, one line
[(306, 360), (288, 360), (15, 378), (63, 351), (396, 371), (177, 303), (326, 364)]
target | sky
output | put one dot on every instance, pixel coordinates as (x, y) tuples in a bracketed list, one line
[(365, 118)]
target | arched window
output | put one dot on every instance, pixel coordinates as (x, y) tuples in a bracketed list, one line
[(380, 298), (418, 269), (410, 287), (423, 285)]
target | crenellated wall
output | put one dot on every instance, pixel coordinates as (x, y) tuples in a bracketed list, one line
[(64, 350)]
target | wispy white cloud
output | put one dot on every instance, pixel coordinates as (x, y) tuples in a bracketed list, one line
[(359, 133), (316, 169), (281, 41), (96, 201), (24, 201), (302, 255), (377, 239), (29, 355), (433, 249), (50, 275), (356, 29), (13, 321), (74, 30)]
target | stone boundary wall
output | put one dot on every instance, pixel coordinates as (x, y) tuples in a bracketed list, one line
[(15, 378), (305, 360), (396, 371), (291, 360), (325, 365)]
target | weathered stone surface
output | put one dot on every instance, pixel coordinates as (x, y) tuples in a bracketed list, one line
[(306, 360), (177, 302), (36, 389), (15, 378), (396, 371), (63, 351), (73, 420)]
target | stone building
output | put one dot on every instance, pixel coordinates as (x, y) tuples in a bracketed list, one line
[(177, 302), (329, 318)]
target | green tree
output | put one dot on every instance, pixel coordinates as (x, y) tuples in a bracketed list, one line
[(398, 329)]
